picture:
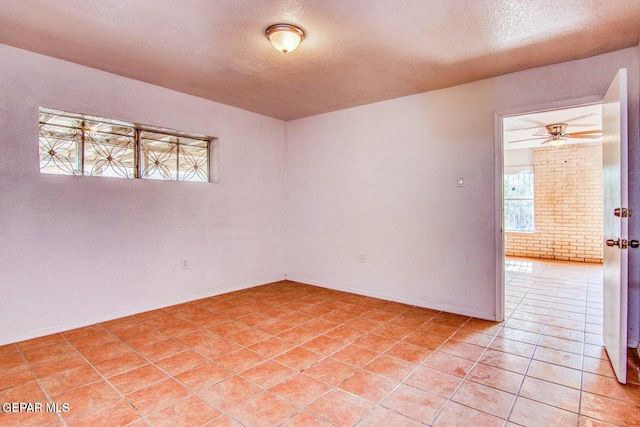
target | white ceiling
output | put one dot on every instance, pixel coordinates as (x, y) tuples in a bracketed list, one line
[(355, 51), (531, 126)]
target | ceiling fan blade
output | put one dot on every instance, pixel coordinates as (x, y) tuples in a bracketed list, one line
[(546, 141), (573, 136), (584, 132), (527, 139)]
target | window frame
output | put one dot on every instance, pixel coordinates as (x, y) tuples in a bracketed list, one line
[(515, 171), (81, 135)]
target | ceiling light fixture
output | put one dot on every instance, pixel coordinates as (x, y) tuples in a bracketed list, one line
[(284, 37)]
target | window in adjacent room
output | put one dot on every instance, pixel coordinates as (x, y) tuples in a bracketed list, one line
[(74, 144), (518, 201)]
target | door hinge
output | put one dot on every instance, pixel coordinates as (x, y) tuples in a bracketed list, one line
[(622, 212), (624, 244)]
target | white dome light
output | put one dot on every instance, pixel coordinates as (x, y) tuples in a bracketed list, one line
[(285, 37)]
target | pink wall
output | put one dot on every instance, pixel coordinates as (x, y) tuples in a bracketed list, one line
[(78, 250), (381, 179)]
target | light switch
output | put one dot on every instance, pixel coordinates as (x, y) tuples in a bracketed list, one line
[(461, 181)]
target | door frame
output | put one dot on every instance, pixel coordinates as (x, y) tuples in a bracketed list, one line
[(499, 180)]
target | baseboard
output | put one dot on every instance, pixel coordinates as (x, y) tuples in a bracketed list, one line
[(409, 301), (129, 311)]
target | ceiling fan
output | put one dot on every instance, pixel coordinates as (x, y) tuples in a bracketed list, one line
[(557, 135)]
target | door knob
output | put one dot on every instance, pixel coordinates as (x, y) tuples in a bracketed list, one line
[(611, 242)]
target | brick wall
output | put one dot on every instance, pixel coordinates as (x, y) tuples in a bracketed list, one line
[(568, 206)]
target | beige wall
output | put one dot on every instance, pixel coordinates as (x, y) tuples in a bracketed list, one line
[(568, 206)]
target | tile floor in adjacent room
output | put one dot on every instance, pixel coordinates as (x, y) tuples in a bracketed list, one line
[(297, 355)]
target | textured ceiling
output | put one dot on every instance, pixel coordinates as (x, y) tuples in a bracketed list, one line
[(355, 52)]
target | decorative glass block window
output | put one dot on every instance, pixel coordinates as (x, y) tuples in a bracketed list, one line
[(73, 144), (518, 201)]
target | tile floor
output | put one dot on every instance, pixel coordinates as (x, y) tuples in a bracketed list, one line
[(297, 355)]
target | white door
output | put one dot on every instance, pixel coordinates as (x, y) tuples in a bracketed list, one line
[(614, 169)]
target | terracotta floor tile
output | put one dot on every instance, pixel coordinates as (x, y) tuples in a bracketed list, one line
[(181, 362), (297, 335), (240, 360), (15, 376), (49, 352), (551, 394), (190, 411), (98, 338), (301, 389), (199, 337), (340, 408), (495, 377), (274, 326), (473, 337), (331, 371), (455, 415), (158, 396), (483, 398), (439, 329), (323, 344), (368, 385), (519, 335), (137, 378), (507, 361), (422, 339), (105, 351), (87, 396), (598, 366), (271, 347), (409, 352), (70, 379), (450, 364), (462, 349), (450, 319), (228, 328), (345, 334), (513, 347), (51, 367), (558, 357), (26, 419), (44, 341), (298, 358), (354, 355), (265, 409), (610, 387), (365, 325), (319, 325), (561, 344), (268, 374), (305, 419), (414, 403), (375, 342), (119, 364), (27, 392), (434, 381), (114, 413), (383, 417), (249, 337), (394, 332), (203, 376), (217, 349), (162, 349), (609, 410), (555, 374), (170, 325), (391, 367), (230, 393), (529, 413)]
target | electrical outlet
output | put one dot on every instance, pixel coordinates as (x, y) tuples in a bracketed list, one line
[(185, 263), (363, 257)]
